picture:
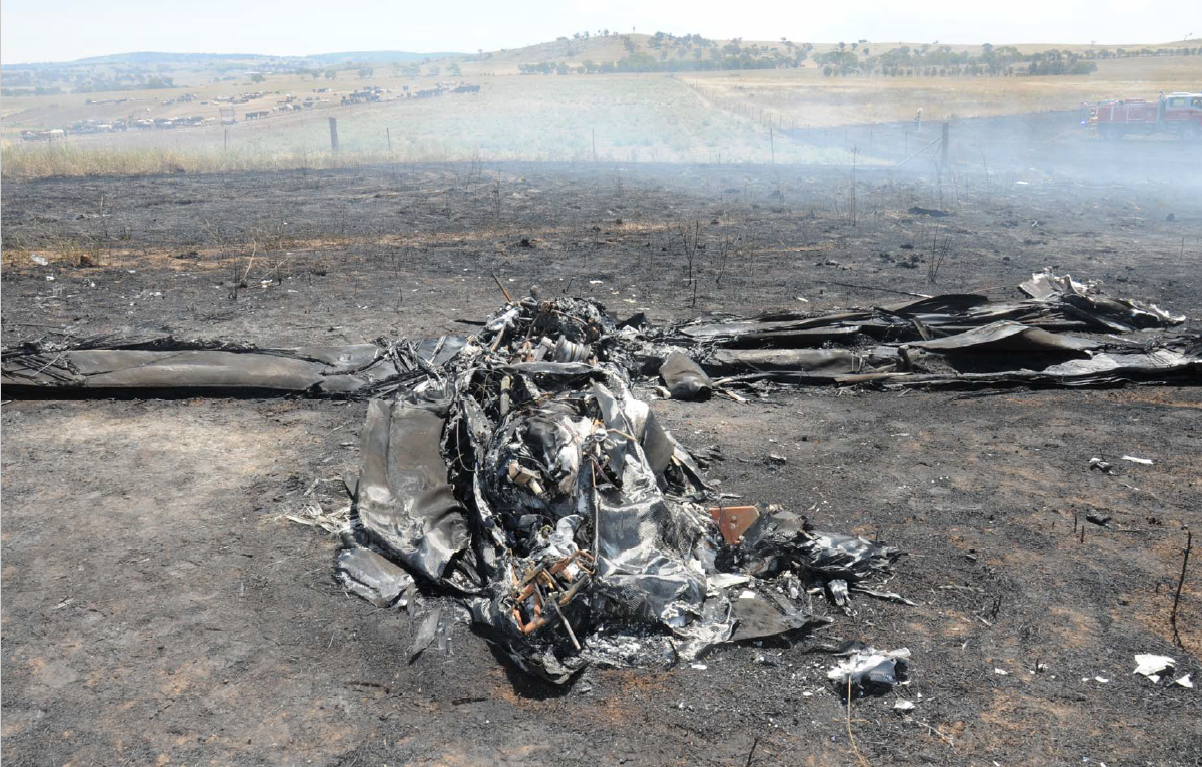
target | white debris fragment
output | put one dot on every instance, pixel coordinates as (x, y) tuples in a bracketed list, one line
[(699, 666), (1184, 682), (904, 705), (872, 666), (1097, 464), (1133, 459), (720, 581), (1001, 672), (1152, 666), (38, 259)]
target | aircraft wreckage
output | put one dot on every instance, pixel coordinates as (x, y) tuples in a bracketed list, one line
[(516, 470)]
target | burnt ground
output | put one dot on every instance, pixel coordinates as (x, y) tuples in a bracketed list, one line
[(158, 609)]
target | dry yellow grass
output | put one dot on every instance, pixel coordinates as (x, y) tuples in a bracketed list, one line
[(64, 159), (806, 98)]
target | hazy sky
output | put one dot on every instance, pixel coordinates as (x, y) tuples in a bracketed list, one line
[(55, 30)]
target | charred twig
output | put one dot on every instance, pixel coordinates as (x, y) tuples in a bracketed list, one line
[(504, 292), (851, 738), (754, 742), (871, 287), (1189, 543)]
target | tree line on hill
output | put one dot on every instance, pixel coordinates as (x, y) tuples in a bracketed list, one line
[(670, 53)]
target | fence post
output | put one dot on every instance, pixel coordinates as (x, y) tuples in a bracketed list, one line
[(388, 135), (943, 146), (333, 134)]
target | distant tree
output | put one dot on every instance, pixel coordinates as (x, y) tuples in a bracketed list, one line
[(257, 78), (454, 69), (366, 72), (331, 73)]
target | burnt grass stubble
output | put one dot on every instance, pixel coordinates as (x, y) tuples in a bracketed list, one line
[(157, 606)]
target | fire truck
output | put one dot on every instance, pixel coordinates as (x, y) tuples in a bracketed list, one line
[(1178, 113)]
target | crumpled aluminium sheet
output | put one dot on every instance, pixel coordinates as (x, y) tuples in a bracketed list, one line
[(404, 500), (952, 340), (166, 364), (516, 471), (684, 378), (371, 576), (1121, 313), (546, 497)]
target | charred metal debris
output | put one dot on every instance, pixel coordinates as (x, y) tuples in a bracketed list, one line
[(517, 471)]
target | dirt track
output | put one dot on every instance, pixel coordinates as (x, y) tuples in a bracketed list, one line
[(159, 609)]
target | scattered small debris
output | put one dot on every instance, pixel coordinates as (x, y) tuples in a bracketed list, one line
[(38, 259), (312, 515)]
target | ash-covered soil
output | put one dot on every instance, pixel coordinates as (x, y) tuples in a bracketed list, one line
[(159, 609)]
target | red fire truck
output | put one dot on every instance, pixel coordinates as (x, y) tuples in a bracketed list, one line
[(1178, 113)]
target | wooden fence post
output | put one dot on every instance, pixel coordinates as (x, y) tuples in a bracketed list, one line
[(333, 134)]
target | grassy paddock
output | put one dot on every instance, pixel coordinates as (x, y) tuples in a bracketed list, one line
[(694, 117), (806, 98), (45, 160)]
